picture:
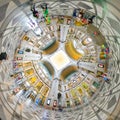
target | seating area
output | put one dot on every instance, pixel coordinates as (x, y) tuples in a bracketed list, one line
[(67, 72), (49, 68), (51, 48), (78, 22), (71, 51)]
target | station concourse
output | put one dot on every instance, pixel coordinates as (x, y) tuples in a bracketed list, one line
[(62, 60)]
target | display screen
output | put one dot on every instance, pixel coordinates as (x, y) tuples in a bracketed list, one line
[(48, 101), (101, 65)]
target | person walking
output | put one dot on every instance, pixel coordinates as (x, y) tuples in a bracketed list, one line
[(34, 11), (45, 10)]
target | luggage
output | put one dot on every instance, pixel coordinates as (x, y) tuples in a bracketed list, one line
[(3, 56)]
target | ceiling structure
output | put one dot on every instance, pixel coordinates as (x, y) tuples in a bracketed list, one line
[(65, 56)]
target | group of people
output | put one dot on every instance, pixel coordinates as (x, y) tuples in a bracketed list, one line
[(76, 14), (104, 51), (81, 14), (45, 12), (105, 48)]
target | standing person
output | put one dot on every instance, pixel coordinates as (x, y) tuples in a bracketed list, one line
[(90, 20), (45, 9), (75, 13), (45, 13), (48, 21), (35, 12), (81, 13), (105, 78)]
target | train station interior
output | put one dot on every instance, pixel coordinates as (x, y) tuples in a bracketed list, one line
[(62, 60)]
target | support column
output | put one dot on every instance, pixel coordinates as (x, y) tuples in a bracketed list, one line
[(63, 32)]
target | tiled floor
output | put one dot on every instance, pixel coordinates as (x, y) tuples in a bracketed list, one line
[(2, 114)]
